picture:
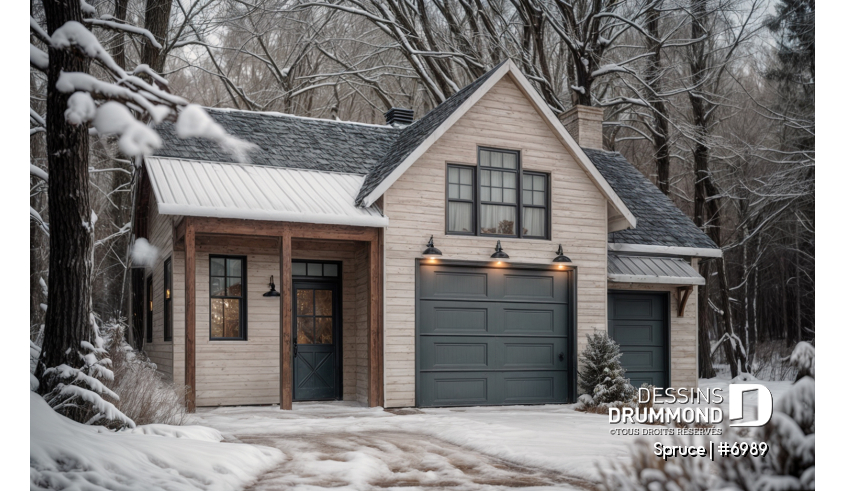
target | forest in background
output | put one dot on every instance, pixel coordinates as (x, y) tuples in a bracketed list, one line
[(712, 100)]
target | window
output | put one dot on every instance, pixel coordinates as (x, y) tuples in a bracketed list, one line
[(227, 288), (461, 197), (168, 300), (504, 201), (150, 309), (307, 268), (534, 205)]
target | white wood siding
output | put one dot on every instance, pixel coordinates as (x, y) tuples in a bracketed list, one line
[(503, 118), (161, 235)]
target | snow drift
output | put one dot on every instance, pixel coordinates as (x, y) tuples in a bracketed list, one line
[(65, 454)]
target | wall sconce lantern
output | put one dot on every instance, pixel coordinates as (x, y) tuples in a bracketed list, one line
[(560, 259), (431, 251), (499, 255), (272, 292)]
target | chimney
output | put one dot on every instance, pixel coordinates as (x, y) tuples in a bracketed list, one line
[(584, 124), (399, 116)]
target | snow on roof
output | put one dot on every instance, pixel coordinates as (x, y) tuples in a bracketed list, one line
[(258, 192), (647, 269)]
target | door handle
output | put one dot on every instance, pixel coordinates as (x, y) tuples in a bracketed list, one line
[(560, 356)]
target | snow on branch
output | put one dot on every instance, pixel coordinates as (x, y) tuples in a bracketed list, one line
[(38, 58), (37, 172), (195, 122), (39, 32), (117, 26), (34, 215)]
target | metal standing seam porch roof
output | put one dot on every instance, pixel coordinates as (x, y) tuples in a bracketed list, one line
[(651, 269), (258, 192)]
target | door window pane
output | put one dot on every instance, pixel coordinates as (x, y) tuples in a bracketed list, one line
[(330, 270), (324, 330), (322, 302), (498, 220), (305, 330), (299, 269), (305, 302), (315, 269)]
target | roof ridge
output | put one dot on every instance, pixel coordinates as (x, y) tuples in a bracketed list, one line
[(296, 116)]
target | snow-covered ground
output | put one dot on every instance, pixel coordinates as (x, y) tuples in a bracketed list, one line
[(341, 445), (64, 454)]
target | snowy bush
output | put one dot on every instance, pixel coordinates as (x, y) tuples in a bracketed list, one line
[(602, 376), (788, 465)]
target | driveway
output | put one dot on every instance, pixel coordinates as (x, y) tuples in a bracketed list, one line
[(341, 445)]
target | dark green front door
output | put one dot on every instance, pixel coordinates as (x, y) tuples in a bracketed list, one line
[(316, 364), (638, 321), (493, 335)]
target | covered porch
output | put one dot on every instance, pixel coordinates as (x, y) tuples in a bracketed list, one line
[(241, 368)]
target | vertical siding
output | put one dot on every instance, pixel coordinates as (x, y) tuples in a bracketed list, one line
[(683, 333), (161, 236), (503, 118)]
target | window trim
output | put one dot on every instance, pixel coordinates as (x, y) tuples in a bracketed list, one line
[(473, 201), (242, 298), (546, 206), (149, 308), (167, 303)]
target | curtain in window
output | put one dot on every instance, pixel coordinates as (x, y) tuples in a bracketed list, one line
[(498, 220), (460, 217), (534, 222)]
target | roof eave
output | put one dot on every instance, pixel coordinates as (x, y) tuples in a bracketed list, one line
[(665, 250)]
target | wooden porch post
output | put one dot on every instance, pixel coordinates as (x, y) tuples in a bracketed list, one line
[(190, 315), (286, 362), (375, 397)]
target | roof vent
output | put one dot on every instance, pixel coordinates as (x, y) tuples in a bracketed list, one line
[(399, 116)]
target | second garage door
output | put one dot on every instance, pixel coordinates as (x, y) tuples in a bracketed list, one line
[(638, 321), (493, 336)]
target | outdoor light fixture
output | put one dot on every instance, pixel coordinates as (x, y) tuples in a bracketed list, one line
[(431, 251), (499, 255), (272, 292), (560, 259)]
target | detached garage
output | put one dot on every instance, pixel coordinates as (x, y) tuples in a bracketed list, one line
[(493, 335)]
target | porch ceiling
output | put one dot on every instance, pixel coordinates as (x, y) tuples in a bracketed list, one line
[(255, 192)]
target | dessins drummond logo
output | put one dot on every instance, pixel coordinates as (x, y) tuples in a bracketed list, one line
[(667, 405)]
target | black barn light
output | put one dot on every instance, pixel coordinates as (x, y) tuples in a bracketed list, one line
[(560, 257), (272, 292), (431, 251), (499, 255)]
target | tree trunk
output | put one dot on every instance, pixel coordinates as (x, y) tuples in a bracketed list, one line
[(119, 51), (659, 127), (705, 362), (156, 20), (67, 322)]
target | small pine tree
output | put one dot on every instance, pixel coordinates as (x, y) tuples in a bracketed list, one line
[(602, 375)]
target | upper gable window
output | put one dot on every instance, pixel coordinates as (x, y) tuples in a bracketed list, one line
[(499, 199)]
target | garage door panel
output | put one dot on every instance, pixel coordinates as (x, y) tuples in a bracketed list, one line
[(639, 333), (455, 389), (459, 283), (637, 307), (455, 353), (641, 358), (494, 353), (454, 283), (533, 287), (534, 388), (522, 353), (493, 318)]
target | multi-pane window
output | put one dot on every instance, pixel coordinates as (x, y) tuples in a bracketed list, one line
[(227, 278), (499, 200), (461, 198), (168, 300), (150, 309), (534, 205)]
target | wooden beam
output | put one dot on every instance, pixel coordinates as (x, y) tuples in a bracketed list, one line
[(179, 234), (190, 316), (374, 385), (236, 244), (286, 368), (683, 296), (231, 226)]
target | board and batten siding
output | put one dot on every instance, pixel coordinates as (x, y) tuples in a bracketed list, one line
[(416, 205), (683, 335), (160, 351)]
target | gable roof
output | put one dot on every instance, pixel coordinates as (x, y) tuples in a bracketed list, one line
[(425, 132), (284, 140), (659, 221)]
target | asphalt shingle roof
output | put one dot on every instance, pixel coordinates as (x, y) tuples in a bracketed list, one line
[(659, 221), (413, 135), (288, 141)]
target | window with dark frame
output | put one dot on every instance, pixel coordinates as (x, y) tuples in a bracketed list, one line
[(497, 198), (150, 309), (460, 214), (227, 289), (168, 300)]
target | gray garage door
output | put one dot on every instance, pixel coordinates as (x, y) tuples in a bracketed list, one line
[(491, 336), (638, 322)]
